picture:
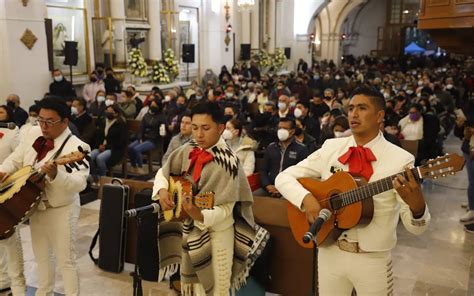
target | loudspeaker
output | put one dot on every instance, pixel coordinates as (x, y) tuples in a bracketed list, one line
[(245, 51), (70, 53), (288, 52), (188, 53)]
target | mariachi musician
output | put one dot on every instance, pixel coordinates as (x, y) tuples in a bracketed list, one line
[(54, 224), (361, 257)]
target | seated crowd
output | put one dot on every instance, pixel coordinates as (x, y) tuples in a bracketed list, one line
[(273, 120)]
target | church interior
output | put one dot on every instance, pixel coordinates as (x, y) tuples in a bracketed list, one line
[(285, 74)]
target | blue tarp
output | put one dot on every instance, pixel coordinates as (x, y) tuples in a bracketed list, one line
[(414, 48)]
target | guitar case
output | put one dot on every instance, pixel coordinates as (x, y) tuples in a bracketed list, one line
[(112, 227), (147, 245)]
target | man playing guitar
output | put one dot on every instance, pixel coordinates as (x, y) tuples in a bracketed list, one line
[(361, 258), (54, 225)]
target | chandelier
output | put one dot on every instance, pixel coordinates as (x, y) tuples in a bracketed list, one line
[(245, 4)]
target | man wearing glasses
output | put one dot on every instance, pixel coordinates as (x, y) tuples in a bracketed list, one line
[(53, 226)]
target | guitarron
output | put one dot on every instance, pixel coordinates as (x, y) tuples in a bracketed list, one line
[(351, 202)]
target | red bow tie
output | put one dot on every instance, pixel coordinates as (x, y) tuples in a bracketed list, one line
[(359, 159), (42, 146), (199, 157)]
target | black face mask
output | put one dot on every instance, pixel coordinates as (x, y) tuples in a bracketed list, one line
[(93, 79), (11, 104), (298, 131), (110, 75), (100, 72), (227, 117), (109, 115), (328, 98), (319, 110), (154, 109)]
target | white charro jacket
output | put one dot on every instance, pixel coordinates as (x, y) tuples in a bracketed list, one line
[(380, 234)]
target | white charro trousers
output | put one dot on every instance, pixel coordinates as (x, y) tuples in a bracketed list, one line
[(11, 265), (222, 258), (340, 271), (54, 229)]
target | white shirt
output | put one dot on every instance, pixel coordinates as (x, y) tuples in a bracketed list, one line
[(411, 130), (8, 142), (380, 234)]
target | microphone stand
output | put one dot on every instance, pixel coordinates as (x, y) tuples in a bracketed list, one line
[(137, 279), (314, 282)]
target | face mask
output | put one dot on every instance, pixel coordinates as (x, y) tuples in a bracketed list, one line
[(283, 134), (11, 104), (198, 97), (292, 104), (109, 115), (74, 111), (316, 77), (227, 135), (424, 109), (167, 98), (100, 99), (449, 86), (386, 95), (418, 94), (337, 77), (420, 83), (109, 103), (227, 117), (298, 131), (58, 78), (282, 106), (414, 116), (327, 98), (229, 95), (33, 120), (297, 113), (93, 79), (409, 91), (279, 87), (338, 134)]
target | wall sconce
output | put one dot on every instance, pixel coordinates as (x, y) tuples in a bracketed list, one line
[(227, 13)]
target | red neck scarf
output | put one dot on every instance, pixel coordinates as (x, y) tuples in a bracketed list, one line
[(42, 146), (199, 157), (359, 159)]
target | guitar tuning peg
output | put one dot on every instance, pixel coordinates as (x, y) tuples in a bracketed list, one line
[(88, 158), (74, 165), (68, 169), (80, 148)]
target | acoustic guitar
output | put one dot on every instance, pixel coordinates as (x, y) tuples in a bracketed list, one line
[(350, 200), (20, 192), (180, 187)]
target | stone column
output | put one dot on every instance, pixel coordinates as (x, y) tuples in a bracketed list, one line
[(271, 25), (245, 26), (117, 12), (254, 26), (154, 17)]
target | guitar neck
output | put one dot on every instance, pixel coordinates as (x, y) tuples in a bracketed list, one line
[(369, 190)]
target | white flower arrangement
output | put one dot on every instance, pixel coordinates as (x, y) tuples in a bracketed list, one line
[(170, 63), (278, 59), (159, 73), (136, 63)]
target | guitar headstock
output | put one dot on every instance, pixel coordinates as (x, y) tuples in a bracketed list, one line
[(204, 200), (442, 166), (74, 159)]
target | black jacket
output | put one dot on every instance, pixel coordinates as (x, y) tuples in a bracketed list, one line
[(112, 85), (19, 116), (312, 127), (117, 138), (85, 127), (62, 89), (273, 163), (150, 127)]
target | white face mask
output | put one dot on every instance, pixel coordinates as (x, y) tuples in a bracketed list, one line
[(386, 95), (100, 99), (33, 120), (337, 77), (409, 91), (283, 134), (167, 98), (58, 78), (297, 113), (109, 103), (74, 110), (282, 106), (420, 83), (229, 95), (338, 134), (227, 135), (292, 104), (449, 86)]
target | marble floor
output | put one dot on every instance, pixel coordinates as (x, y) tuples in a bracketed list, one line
[(438, 263)]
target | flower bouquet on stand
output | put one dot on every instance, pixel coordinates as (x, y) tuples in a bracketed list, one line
[(137, 64), (171, 64), (279, 59), (263, 60), (159, 73)]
